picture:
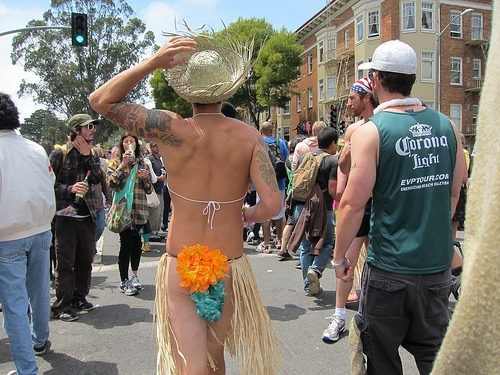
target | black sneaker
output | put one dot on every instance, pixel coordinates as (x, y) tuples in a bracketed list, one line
[(284, 256), (41, 349), (83, 305), (68, 316)]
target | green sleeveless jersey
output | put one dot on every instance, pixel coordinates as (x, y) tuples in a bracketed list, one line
[(411, 215)]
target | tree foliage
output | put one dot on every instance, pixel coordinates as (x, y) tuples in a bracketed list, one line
[(67, 74), (278, 61), (44, 125), (165, 96), (269, 82)]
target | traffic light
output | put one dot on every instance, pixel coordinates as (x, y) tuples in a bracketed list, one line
[(79, 31), (341, 128), (333, 116)]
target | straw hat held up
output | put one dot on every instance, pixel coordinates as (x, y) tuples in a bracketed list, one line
[(214, 72)]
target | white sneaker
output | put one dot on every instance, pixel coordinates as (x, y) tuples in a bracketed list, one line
[(134, 281), (250, 237), (13, 372), (127, 288), (261, 248), (334, 329)]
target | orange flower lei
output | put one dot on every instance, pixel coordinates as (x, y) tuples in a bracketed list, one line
[(199, 267)]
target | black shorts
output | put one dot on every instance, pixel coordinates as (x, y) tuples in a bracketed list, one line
[(364, 228)]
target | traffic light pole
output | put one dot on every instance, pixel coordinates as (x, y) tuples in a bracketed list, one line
[(34, 28)]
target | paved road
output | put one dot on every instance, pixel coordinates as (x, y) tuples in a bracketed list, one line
[(118, 336)]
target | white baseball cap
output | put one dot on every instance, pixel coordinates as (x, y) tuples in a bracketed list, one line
[(393, 56)]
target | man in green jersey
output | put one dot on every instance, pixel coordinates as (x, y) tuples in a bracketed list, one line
[(409, 158)]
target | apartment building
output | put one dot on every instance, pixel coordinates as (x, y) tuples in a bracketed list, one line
[(449, 37)]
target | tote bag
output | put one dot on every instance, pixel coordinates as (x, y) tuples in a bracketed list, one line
[(153, 200), (119, 216)]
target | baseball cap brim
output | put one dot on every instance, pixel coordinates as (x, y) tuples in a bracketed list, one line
[(365, 66)]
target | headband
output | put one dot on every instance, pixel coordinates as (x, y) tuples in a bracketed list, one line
[(362, 86)]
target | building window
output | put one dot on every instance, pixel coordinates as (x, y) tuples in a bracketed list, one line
[(332, 46), (286, 110), (347, 80), (456, 24), (331, 87), (475, 113), (477, 26), (427, 16), (408, 16), (321, 51), (427, 69), (286, 133), (428, 104), (476, 68), (309, 63), (456, 71), (359, 29), (347, 40), (456, 115), (321, 90), (299, 103), (359, 72), (310, 97), (373, 24)]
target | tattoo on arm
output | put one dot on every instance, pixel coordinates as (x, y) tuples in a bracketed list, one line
[(267, 171), (145, 123), (355, 166)]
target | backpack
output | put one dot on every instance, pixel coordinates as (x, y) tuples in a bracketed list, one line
[(277, 159), (304, 177)]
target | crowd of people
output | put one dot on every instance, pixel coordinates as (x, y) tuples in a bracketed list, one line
[(367, 195)]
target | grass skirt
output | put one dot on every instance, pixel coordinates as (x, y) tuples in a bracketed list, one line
[(251, 337)]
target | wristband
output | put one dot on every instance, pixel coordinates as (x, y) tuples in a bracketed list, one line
[(340, 265)]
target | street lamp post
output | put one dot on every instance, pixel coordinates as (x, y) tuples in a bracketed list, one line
[(438, 57)]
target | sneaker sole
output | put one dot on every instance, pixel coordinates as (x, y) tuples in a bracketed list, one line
[(72, 319), (328, 340), (130, 293), (42, 352), (82, 308), (313, 279)]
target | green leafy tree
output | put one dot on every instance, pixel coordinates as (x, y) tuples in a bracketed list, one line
[(43, 125), (277, 66), (165, 96), (278, 61), (67, 74)]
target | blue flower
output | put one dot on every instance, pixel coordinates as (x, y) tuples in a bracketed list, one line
[(210, 302)]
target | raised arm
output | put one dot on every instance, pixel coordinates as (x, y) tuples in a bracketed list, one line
[(136, 119)]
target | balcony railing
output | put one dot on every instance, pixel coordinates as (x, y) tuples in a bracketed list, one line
[(469, 129), (474, 85)]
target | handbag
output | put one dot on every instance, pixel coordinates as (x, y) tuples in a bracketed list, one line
[(153, 200), (119, 216)]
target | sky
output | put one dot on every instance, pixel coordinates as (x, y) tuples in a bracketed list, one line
[(158, 16)]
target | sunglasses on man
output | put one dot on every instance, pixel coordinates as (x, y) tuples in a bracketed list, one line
[(90, 126)]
